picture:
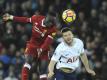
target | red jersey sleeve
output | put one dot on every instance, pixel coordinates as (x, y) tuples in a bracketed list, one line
[(33, 18), (21, 19), (25, 19), (49, 40)]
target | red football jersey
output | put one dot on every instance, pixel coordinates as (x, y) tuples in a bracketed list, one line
[(40, 33)]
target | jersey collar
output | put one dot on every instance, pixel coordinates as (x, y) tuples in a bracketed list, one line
[(42, 23), (72, 44)]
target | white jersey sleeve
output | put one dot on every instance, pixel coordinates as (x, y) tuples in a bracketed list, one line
[(81, 50), (56, 56)]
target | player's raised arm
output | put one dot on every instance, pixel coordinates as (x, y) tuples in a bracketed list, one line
[(7, 17)]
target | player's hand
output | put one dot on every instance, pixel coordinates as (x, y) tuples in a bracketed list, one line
[(50, 74), (7, 17), (90, 71)]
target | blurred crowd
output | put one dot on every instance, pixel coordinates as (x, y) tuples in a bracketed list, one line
[(90, 26)]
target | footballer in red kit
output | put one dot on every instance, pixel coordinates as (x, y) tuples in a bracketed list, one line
[(43, 32)]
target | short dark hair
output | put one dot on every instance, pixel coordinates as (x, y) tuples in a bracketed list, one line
[(65, 30), (51, 13)]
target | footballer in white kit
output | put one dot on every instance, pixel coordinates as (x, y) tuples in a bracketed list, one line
[(67, 56)]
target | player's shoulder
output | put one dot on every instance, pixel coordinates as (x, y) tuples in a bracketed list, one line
[(38, 16), (60, 46), (77, 40)]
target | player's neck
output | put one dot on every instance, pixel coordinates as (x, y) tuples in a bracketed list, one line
[(70, 44), (43, 23)]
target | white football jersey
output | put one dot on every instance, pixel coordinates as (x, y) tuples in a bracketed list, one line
[(68, 56)]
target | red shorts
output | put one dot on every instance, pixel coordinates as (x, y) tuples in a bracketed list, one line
[(32, 50)]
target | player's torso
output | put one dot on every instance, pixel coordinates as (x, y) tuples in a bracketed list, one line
[(70, 54), (39, 32)]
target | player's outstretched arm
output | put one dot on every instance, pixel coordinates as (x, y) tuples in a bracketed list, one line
[(85, 62), (7, 17)]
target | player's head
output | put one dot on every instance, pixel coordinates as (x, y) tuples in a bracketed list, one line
[(67, 35), (50, 19)]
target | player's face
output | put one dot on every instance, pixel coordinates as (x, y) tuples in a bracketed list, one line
[(68, 37), (48, 22)]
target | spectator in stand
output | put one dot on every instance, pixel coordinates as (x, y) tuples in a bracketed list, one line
[(11, 76)]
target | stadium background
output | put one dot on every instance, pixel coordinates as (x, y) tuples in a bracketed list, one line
[(90, 26)]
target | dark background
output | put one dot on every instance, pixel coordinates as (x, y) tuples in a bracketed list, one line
[(90, 26)]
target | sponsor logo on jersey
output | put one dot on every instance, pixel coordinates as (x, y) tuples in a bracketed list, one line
[(65, 59), (73, 59)]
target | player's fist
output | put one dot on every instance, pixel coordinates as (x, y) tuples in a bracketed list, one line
[(7, 17), (50, 74), (90, 71)]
